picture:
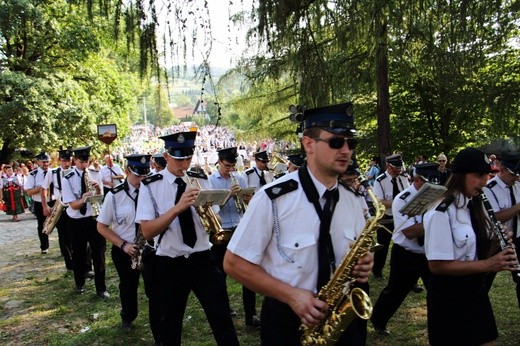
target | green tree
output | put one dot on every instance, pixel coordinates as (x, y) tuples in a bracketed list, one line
[(56, 81)]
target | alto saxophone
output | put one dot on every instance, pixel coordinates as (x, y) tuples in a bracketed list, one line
[(345, 303), (239, 202), (137, 260), (209, 219), (95, 199), (51, 220)]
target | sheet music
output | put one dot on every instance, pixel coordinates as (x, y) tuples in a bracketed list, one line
[(212, 197), (419, 203)]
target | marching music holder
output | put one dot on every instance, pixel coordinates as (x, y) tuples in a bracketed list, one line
[(420, 202)]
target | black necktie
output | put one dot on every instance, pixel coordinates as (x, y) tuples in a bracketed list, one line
[(83, 209), (395, 189), (136, 224), (185, 218), (44, 173), (515, 218), (325, 249), (136, 197), (262, 179)]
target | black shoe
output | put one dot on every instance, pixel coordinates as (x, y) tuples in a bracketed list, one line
[(103, 294), (417, 288), (80, 289), (378, 275), (253, 322), (44, 252), (382, 332), (126, 326), (89, 275)]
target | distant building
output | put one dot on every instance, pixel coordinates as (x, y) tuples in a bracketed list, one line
[(186, 113)]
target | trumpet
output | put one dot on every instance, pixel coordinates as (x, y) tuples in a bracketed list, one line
[(239, 202), (208, 218)]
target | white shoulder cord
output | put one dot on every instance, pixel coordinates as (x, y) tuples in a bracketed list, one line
[(276, 226)]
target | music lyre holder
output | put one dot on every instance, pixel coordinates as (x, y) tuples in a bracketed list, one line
[(419, 203)]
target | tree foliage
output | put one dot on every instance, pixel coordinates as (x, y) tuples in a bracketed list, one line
[(452, 70), (57, 81)]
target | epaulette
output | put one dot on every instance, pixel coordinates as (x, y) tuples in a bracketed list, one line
[(118, 188), (199, 175), (151, 179), (404, 195), (381, 177), (281, 189), (445, 203), (55, 170), (491, 184), (93, 170), (70, 174), (249, 171), (33, 172)]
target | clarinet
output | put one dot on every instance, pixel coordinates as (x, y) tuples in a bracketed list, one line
[(498, 229)]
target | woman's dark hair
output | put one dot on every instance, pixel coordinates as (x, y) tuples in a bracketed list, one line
[(479, 220)]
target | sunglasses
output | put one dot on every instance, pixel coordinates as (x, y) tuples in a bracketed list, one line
[(339, 142), (441, 160)]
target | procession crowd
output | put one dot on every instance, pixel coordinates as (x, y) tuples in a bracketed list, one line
[(184, 207)]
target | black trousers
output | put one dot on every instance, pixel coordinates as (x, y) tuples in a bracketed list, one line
[(83, 232), (38, 212), (198, 273), (151, 289), (281, 326), (248, 296), (128, 284), (383, 237), (406, 268), (64, 239)]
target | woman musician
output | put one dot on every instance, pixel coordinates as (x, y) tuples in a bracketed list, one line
[(458, 244)]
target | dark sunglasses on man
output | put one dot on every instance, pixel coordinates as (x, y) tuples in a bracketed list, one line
[(339, 142)]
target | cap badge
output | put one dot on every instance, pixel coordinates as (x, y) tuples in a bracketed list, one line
[(143, 160), (180, 139)]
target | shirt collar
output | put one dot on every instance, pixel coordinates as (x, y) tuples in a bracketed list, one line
[(319, 186)]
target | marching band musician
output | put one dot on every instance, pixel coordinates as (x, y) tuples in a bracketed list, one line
[(116, 223), (407, 259), (33, 187), (82, 223), (296, 160), (458, 243), (259, 175), (158, 163), (111, 174), (230, 216), (386, 187), (183, 260), (54, 181), (503, 192), (282, 247)]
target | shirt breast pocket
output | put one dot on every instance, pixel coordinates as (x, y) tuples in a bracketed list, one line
[(124, 215), (301, 250)]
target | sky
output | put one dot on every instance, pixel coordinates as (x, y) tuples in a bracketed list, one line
[(227, 40)]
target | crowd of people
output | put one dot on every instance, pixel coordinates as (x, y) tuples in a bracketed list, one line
[(184, 207)]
